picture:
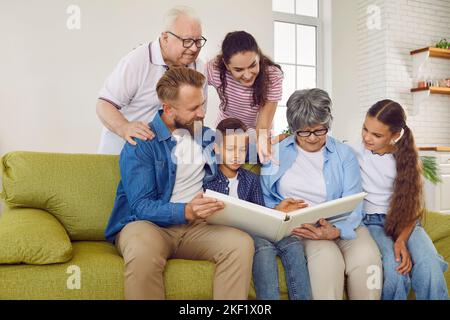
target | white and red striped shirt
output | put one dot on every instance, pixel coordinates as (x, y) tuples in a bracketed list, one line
[(240, 98)]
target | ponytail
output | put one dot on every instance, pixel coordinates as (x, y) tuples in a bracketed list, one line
[(406, 205)]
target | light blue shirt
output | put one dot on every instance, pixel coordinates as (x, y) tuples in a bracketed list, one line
[(340, 170)]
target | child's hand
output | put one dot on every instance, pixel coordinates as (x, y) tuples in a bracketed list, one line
[(402, 257), (289, 204)]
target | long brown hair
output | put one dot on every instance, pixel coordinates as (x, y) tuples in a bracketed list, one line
[(406, 204), (239, 42)]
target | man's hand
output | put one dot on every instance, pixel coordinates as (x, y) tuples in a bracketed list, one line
[(137, 129), (289, 204), (402, 257), (202, 207), (325, 231)]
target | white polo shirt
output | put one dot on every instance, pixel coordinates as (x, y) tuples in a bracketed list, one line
[(131, 88)]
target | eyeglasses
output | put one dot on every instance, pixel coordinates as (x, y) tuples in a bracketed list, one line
[(187, 43), (317, 133)]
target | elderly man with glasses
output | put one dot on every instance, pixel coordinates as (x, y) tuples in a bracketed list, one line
[(128, 100), (311, 167)]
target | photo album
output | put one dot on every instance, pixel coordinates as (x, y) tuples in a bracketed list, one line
[(275, 225)]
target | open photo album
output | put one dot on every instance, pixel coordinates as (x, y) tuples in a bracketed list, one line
[(272, 224)]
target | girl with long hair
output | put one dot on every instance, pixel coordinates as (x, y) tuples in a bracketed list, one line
[(249, 85), (394, 208)]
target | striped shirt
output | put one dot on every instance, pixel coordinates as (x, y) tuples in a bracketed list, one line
[(240, 98)]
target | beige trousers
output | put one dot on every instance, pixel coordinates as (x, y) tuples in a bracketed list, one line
[(358, 261), (146, 247)]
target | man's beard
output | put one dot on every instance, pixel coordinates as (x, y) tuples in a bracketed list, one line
[(196, 125)]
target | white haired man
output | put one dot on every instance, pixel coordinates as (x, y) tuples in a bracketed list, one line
[(128, 100)]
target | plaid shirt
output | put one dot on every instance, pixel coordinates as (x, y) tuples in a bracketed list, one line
[(249, 188)]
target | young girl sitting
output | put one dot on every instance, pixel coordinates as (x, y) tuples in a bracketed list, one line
[(392, 177)]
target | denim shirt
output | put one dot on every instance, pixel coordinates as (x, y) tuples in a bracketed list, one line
[(148, 177), (340, 170)]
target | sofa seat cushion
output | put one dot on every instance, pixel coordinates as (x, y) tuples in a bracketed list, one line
[(32, 236), (100, 270), (101, 277)]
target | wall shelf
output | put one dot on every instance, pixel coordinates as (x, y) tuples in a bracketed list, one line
[(433, 90), (433, 52), (419, 57)]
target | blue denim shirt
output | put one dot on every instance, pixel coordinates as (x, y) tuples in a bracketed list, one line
[(148, 177), (341, 172)]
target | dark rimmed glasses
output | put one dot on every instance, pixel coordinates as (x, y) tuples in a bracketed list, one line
[(187, 43), (317, 133)]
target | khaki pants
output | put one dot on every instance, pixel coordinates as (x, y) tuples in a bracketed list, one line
[(146, 247), (330, 262)]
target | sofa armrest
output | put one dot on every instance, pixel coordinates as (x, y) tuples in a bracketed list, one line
[(32, 236), (437, 225)]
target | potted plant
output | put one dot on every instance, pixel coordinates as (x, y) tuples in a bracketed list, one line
[(443, 44)]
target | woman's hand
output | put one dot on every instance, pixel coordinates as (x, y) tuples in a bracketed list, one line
[(264, 147), (289, 204), (279, 138), (325, 231), (402, 256)]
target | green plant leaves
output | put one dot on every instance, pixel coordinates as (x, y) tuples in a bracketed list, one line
[(430, 169), (443, 44)]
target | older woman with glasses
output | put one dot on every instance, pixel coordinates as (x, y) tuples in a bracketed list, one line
[(312, 167)]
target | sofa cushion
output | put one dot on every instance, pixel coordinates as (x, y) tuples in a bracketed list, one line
[(79, 190), (32, 236), (100, 271), (96, 265), (437, 225)]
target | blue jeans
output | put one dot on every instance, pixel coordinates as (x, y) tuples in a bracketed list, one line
[(265, 269), (427, 275)]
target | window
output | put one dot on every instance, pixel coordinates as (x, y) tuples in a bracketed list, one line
[(296, 45)]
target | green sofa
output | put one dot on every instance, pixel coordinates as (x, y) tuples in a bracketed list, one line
[(52, 245)]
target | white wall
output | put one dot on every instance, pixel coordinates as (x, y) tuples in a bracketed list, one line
[(50, 76), (385, 63), (344, 45), (414, 24)]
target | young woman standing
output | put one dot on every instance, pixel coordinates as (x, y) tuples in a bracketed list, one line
[(392, 176), (249, 85)]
